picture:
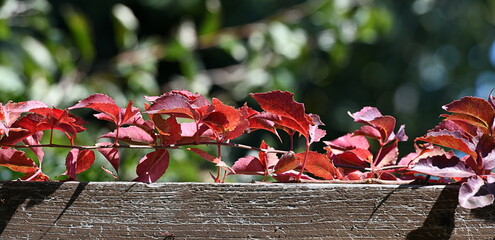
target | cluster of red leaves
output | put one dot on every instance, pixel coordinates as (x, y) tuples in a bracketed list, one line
[(468, 129), (205, 123), (179, 118), (352, 152)]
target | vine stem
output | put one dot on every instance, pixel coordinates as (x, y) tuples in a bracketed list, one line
[(172, 146), (303, 164), (175, 146), (219, 155)]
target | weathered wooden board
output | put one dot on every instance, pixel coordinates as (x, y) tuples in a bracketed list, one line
[(121, 210)]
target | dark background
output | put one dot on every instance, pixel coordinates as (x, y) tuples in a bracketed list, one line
[(408, 58)]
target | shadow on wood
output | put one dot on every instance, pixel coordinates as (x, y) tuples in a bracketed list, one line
[(16, 194), (441, 219)]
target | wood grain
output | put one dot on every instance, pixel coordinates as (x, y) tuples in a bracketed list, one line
[(122, 210)]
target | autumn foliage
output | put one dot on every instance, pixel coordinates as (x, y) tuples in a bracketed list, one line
[(460, 149)]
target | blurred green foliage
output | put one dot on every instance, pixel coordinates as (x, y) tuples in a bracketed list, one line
[(407, 58)]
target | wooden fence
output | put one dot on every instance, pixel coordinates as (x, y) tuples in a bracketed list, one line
[(123, 210)]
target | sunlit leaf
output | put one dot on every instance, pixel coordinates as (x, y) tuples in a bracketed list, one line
[(282, 104), (475, 107), (450, 139), (318, 164)]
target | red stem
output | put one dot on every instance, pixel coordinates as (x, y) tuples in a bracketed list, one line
[(219, 154), (304, 161)]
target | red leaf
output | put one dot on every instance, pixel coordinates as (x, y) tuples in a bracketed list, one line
[(216, 121), (118, 120), (152, 166), (248, 165), (356, 158), (443, 166), (267, 159), (476, 107), (486, 152), (78, 161), (473, 121), (368, 131), (347, 142), (388, 155), (17, 161), (356, 175), (128, 113), (372, 117), (238, 131), (195, 99), (466, 129), (35, 140), (291, 176), (169, 130), (51, 118), (233, 115), (100, 103), (242, 126), (95, 98), (176, 105), (109, 111), (286, 163), (264, 121), (190, 131), (385, 125), (491, 99), (179, 104), (131, 135), (387, 176), (366, 114), (205, 155), (11, 111), (401, 134), (315, 133), (319, 165), (450, 139), (283, 104), (427, 150), (111, 154), (36, 176)]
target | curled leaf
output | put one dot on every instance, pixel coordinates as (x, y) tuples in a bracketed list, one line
[(17, 161), (442, 166), (372, 117), (474, 193), (480, 110)]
